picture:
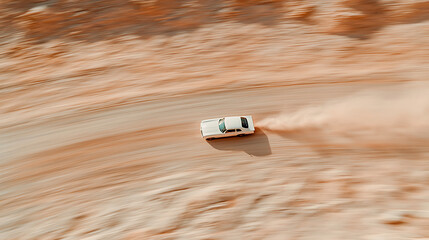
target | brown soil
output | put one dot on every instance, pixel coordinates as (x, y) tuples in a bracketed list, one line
[(101, 102)]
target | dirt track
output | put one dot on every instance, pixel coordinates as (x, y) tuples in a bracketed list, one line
[(99, 135), (145, 166)]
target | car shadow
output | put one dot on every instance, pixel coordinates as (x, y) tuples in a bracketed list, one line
[(256, 144)]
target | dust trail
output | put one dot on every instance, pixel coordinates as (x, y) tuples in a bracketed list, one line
[(394, 116)]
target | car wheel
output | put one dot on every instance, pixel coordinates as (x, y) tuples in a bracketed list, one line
[(208, 139), (241, 135)]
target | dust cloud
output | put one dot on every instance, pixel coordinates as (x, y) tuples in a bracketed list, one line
[(397, 116)]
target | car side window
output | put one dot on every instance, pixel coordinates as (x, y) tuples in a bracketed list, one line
[(238, 130), (230, 130)]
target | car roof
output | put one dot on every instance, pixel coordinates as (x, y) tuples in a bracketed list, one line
[(233, 123)]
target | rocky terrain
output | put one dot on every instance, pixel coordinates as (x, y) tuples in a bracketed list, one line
[(101, 102)]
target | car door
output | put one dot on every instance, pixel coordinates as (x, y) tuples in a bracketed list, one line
[(239, 131), (230, 133)]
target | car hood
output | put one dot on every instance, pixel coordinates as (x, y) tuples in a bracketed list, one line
[(210, 127)]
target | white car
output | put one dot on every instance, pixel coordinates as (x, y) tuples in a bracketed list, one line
[(227, 127)]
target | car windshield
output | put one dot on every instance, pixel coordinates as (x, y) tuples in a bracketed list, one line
[(222, 127)]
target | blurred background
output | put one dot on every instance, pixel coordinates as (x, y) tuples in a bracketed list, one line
[(101, 104)]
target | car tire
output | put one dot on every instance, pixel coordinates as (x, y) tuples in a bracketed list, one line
[(241, 135), (208, 139)]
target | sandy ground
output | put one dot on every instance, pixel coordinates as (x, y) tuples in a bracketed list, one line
[(143, 171), (99, 138)]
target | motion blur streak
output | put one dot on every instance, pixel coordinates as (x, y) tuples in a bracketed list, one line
[(101, 103), (397, 116)]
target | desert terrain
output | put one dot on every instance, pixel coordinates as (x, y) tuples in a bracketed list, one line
[(101, 103)]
